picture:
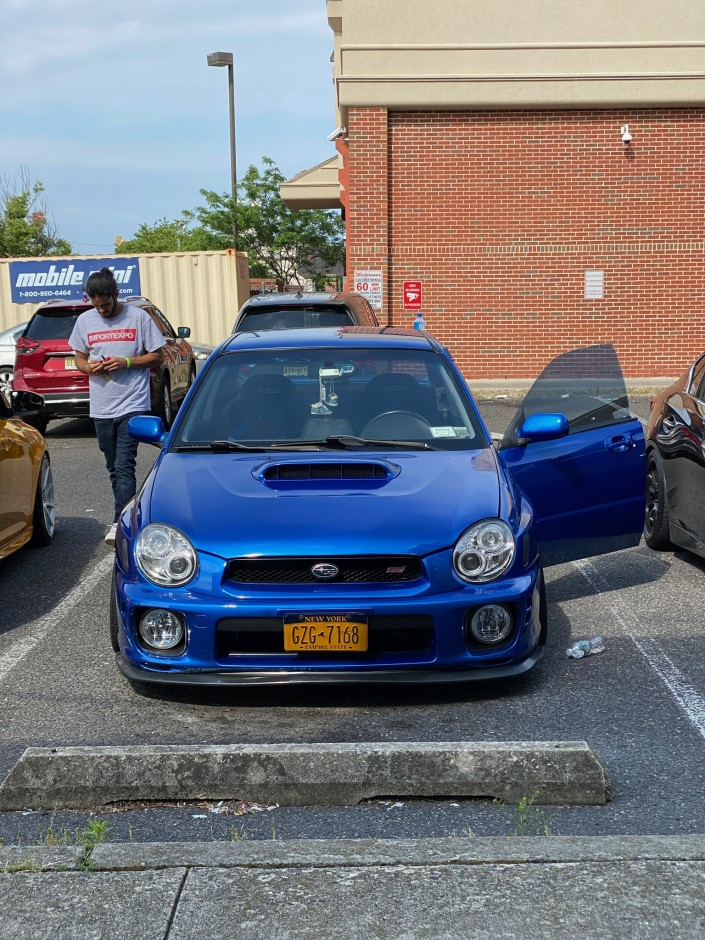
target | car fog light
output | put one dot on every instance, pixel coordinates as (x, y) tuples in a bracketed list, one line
[(491, 623), (161, 629)]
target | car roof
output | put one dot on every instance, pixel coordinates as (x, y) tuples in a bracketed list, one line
[(72, 305), (304, 297), (315, 337)]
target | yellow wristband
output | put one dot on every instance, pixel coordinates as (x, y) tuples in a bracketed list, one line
[(128, 363)]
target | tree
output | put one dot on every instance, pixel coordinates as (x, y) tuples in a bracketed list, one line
[(25, 229), (178, 235), (281, 243)]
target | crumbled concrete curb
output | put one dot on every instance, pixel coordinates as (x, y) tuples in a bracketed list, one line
[(357, 853), (560, 773), (360, 853)]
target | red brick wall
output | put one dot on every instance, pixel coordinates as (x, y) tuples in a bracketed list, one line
[(500, 214)]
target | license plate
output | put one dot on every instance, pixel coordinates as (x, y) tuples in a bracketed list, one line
[(310, 633), (296, 370), (69, 362)]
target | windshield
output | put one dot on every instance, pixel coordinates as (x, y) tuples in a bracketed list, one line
[(330, 397)]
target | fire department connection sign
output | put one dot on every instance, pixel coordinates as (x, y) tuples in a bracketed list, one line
[(369, 284), (412, 295)]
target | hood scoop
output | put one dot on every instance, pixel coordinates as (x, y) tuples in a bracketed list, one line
[(328, 471)]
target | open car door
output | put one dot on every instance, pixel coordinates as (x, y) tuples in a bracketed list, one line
[(587, 487)]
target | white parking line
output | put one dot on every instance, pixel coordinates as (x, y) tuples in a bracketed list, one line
[(41, 627), (688, 698)]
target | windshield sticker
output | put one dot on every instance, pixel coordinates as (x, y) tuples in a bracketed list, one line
[(449, 431)]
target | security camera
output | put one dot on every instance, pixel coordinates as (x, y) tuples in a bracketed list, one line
[(338, 132), (626, 136)]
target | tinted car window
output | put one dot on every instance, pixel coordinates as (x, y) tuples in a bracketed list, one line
[(309, 394), (165, 328), (47, 324), (293, 317)]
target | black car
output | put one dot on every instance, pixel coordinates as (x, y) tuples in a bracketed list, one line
[(675, 465), (305, 309), (45, 363)]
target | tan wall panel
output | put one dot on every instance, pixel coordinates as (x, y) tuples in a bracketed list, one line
[(407, 54), (200, 289), (541, 21)]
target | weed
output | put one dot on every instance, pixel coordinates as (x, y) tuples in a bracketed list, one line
[(55, 837), (525, 819), (27, 864), (237, 835), (274, 832), (94, 833)]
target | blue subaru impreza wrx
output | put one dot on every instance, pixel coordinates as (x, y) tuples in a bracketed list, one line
[(329, 507)]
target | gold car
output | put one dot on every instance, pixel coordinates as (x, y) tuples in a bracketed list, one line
[(27, 509)]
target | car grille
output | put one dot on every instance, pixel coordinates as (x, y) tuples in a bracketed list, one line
[(365, 569), (237, 636)]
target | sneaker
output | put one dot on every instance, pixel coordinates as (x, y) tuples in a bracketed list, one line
[(110, 534)]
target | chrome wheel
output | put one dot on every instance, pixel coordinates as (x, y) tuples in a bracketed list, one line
[(6, 379)]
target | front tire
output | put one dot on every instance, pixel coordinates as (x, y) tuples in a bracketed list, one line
[(656, 527), (44, 514), (165, 409)]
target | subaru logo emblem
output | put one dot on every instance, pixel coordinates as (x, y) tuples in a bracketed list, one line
[(324, 571)]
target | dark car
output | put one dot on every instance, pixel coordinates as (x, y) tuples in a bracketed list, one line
[(45, 363), (329, 507), (675, 465), (292, 311)]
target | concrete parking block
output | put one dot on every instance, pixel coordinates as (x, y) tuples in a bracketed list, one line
[(560, 773)]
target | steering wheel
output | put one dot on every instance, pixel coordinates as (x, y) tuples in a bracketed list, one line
[(417, 424)]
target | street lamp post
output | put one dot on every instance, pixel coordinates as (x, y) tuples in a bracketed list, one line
[(220, 59)]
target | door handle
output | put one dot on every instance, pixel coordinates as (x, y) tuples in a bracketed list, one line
[(620, 443)]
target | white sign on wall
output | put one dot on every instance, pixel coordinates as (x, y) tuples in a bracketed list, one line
[(369, 284), (594, 285)]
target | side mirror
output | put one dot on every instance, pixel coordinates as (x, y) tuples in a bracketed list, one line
[(184, 332), (148, 429), (543, 427), (26, 404)]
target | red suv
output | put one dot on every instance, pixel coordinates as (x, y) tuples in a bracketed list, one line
[(45, 364)]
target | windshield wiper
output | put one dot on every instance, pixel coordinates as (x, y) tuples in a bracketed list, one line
[(333, 442), (346, 441), (222, 447)]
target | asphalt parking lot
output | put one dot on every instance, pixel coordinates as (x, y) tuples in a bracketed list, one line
[(640, 705)]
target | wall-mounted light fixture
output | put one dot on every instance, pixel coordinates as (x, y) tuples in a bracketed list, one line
[(626, 136)]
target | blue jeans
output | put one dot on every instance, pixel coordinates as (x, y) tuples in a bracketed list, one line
[(120, 452)]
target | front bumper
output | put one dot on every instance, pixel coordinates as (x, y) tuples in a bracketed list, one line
[(446, 654)]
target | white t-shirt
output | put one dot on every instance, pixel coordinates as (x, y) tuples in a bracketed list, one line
[(131, 333)]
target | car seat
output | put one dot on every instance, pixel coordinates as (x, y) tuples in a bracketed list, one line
[(268, 408)]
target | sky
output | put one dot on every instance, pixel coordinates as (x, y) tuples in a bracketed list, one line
[(112, 106)]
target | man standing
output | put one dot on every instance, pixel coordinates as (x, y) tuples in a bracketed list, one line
[(116, 344)]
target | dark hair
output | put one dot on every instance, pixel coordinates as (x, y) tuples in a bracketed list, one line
[(101, 284)]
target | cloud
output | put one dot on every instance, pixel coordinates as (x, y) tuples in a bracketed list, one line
[(119, 94)]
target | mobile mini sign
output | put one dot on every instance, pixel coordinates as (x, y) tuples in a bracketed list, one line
[(33, 282)]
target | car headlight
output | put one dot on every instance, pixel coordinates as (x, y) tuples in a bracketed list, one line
[(484, 551), (165, 556)]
